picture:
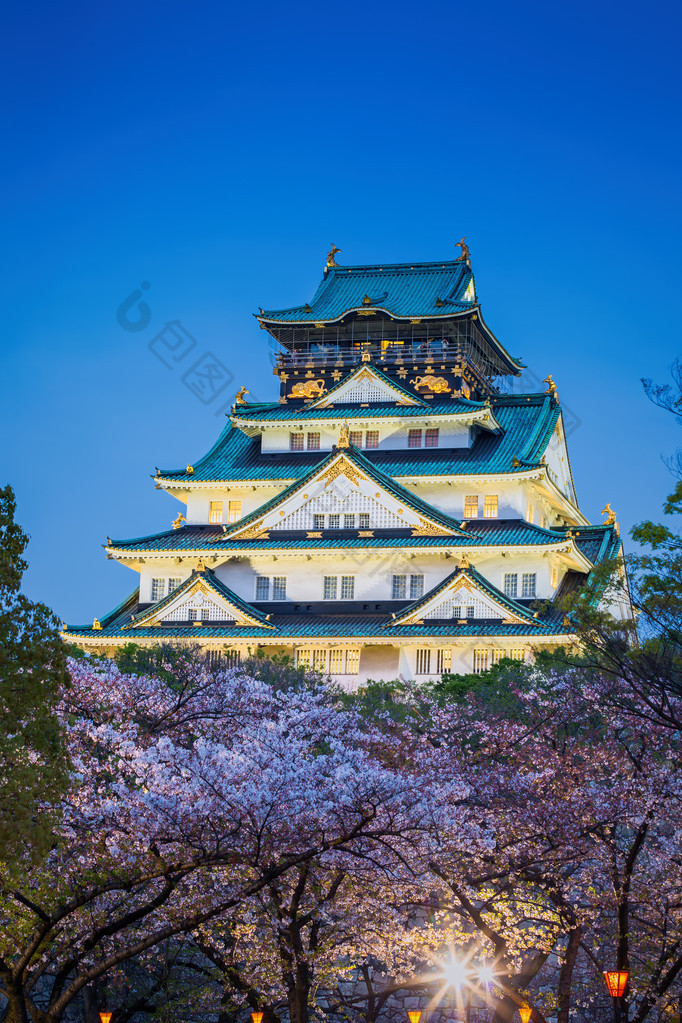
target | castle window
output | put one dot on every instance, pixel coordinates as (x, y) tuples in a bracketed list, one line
[(518, 654), (296, 441), (490, 506), (336, 662), (334, 521), (158, 589), (443, 660), (363, 520), (318, 521), (262, 588), (234, 511), (399, 591), (414, 439), (347, 587), (423, 662), (279, 587), (330, 587), (372, 439), (431, 438), (457, 611), (471, 506), (319, 660), (173, 583), (303, 658), (511, 584), (416, 587), (480, 661), (313, 442), (194, 614), (497, 656), (352, 662), (530, 511), (355, 437), (349, 521), (528, 584), (470, 611), (215, 512)]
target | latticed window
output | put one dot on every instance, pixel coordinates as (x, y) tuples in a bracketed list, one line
[(399, 591), (336, 662), (431, 438), (303, 658), (372, 439), (318, 521), (330, 587), (319, 660), (470, 610), (313, 442), (195, 614), (215, 512), (511, 584), (334, 521), (456, 610), (444, 660), (347, 587), (490, 506), (355, 437), (480, 661), (352, 662), (173, 583), (423, 662), (349, 521), (416, 586), (262, 588), (517, 654), (363, 520), (158, 589), (528, 584), (234, 511), (471, 506), (279, 587), (414, 439), (530, 511), (296, 441), (497, 655)]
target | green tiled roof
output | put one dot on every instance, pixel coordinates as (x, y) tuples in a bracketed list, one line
[(402, 290), (286, 413), (212, 583), (527, 422)]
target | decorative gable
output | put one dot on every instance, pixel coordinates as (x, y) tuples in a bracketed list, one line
[(365, 386), (464, 596), (200, 598)]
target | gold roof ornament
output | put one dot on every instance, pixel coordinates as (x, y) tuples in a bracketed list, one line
[(367, 300), (366, 357), (177, 523), (551, 387), (330, 258), (515, 463), (201, 567), (464, 562), (97, 625), (239, 396), (466, 255), (190, 470), (610, 515), (344, 439)]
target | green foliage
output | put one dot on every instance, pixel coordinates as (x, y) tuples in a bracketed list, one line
[(495, 688), (33, 765)]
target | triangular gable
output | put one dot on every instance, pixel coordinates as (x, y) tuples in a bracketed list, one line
[(202, 597), (366, 385), (464, 595), (343, 484)]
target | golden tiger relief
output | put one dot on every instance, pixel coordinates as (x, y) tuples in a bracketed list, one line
[(308, 389), (438, 385)]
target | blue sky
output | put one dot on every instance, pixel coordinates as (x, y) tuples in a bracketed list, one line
[(215, 151)]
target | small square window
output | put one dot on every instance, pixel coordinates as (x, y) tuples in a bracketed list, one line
[(414, 439), (528, 584), (313, 442), (511, 584), (194, 614), (215, 512), (431, 438), (347, 587), (334, 521), (330, 583), (349, 521), (318, 521), (303, 658), (372, 439), (471, 506), (296, 441), (363, 520), (416, 587), (490, 506), (444, 660), (173, 583), (497, 655), (158, 589), (457, 611), (355, 437), (399, 590), (470, 611), (262, 588), (352, 662), (234, 511)]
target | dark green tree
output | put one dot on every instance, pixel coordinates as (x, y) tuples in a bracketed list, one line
[(33, 764)]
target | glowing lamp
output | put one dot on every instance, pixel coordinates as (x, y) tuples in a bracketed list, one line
[(616, 982), (485, 974), (414, 1015), (257, 1017), (105, 1017), (525, 1012)]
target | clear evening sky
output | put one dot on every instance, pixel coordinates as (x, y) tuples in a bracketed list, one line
[(214, 152)]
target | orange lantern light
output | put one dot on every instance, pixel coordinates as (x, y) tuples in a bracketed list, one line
[(257, 1017), (616, 982), (525, 1012), (414, 1015), (105, 1017)]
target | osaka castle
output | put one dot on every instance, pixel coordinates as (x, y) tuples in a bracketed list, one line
[(396, 512)]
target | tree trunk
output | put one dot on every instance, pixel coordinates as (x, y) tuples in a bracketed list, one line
[(16, 1008), (566, 974), (299, 992)]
